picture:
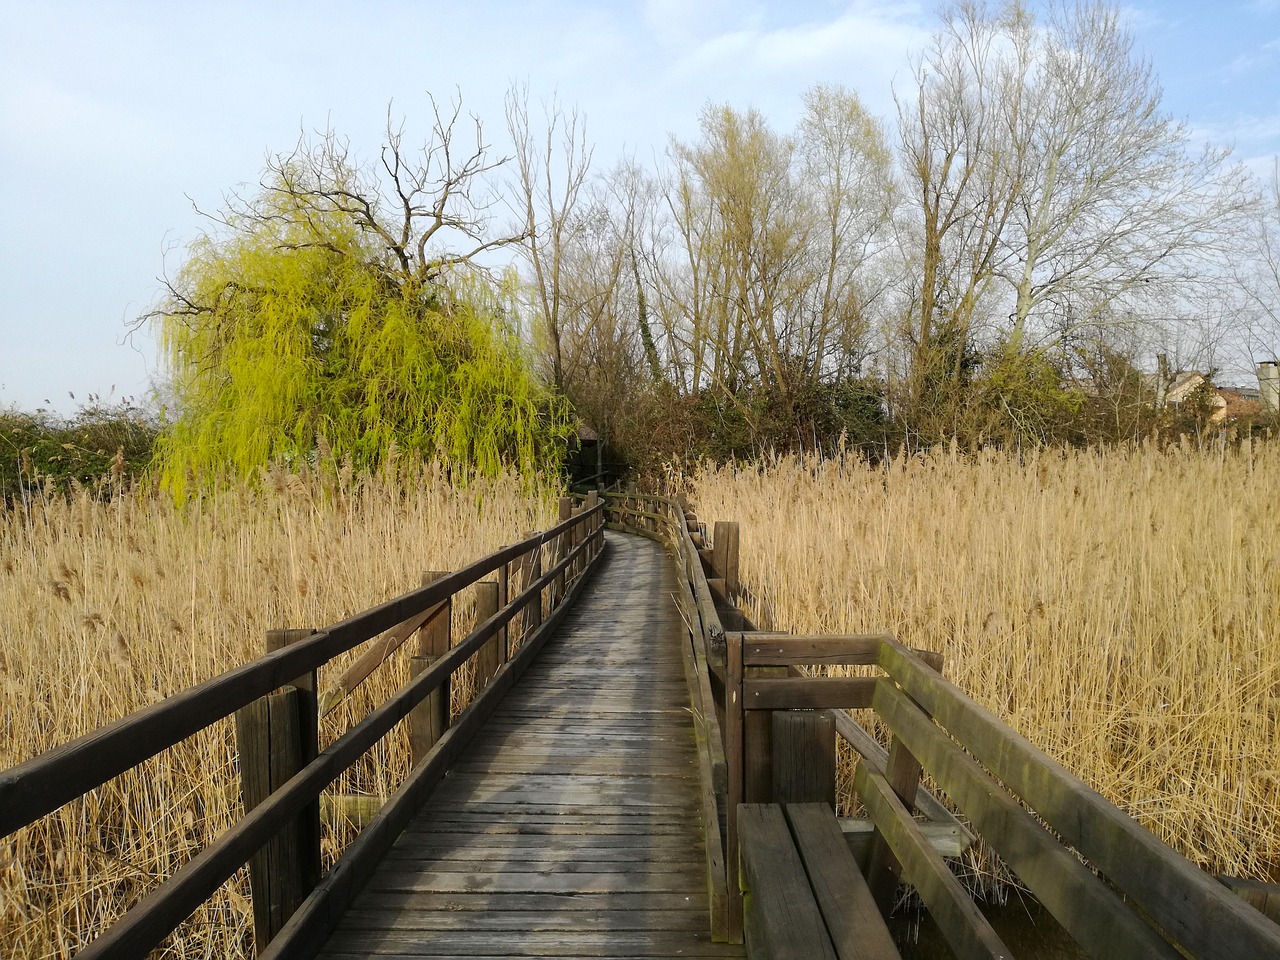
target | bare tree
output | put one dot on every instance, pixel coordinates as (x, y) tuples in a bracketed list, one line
[(769, 287), (1054, 200), (581, 256), (553, 163), (1116, 212), (1258, 279), (962, 183)]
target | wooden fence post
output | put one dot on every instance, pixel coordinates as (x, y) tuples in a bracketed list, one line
[(593, 498), (734, 751), (504, 597), (562, 545), (430, 719), (804, 757), (487, 659), (276, 736), (724, 555)]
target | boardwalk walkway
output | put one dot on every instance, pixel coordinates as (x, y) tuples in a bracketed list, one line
[(571, 827)]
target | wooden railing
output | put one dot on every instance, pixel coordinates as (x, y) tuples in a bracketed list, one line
[(1112, 885), (41, 785)]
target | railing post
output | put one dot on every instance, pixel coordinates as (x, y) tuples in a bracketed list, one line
[(562, 545), (734, 757), (593, 498), (804, 756), (487, 659), (430, 719), (724, 555), (504, 597), (575, 537), (276, 736)]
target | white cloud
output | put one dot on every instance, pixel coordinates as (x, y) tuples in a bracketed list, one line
[(680, 23), (863, 49)]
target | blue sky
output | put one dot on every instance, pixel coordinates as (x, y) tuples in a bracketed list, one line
[(113, 114)]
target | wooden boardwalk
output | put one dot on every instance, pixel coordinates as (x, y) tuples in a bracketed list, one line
[(571, 826)]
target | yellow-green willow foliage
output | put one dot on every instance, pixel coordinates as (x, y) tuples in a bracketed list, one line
[(291, 330)]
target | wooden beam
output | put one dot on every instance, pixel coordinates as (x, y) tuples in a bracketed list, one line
[(374, 657), (792, 693), (966, 930), (430, 719), (489, 658), (1087, 908), (784, 649), (734, 760), (781, 919), (1191, 907), (856, 926)]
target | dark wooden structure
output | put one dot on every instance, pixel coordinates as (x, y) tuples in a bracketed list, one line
[(660, 758)]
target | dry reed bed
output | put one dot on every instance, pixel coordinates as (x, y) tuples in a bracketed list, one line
[(110, 607), (1118, 608)]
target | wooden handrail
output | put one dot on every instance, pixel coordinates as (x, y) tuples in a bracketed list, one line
[(40, 785), (1200, 914), (144, 926)]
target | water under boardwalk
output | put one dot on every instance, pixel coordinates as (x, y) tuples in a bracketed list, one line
[(571, 826)]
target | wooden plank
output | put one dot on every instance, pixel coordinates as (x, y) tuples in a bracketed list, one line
[(549, 879), (498, 916), (712, 772), (781, 919), (1087, 908), (784, 649), (853, 921), (548, 905), (1192, 908), (966, 930), (792, 693), (374, 657), (371, 943), (877, 756), (517, 838)]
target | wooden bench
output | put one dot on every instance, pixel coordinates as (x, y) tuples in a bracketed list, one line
[(804, 895)]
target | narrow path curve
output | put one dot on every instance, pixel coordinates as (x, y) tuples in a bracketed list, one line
[(571, 827)]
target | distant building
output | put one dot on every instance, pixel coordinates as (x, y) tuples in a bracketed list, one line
[(1226, 403)]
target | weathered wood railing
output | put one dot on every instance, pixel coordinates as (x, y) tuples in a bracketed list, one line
[(41, 785), (1113, 886)]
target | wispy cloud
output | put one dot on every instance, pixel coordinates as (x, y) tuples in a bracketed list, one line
[(863, 47)]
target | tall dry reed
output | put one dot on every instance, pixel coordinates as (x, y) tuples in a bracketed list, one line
[(1119, 608), (108, 607)]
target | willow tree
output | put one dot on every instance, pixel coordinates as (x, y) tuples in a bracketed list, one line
[(339, 307)]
